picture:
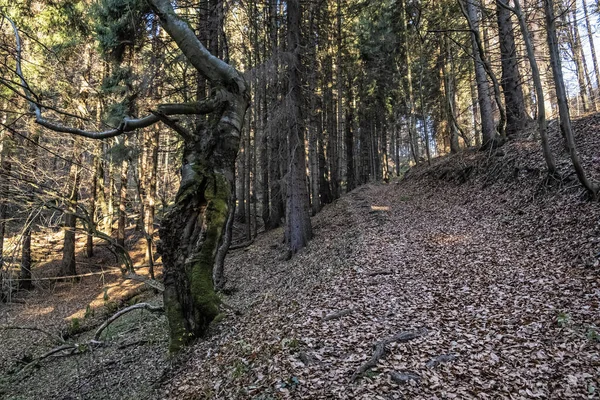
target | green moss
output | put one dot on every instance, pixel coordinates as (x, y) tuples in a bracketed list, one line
[(220, 317), (217, 194)]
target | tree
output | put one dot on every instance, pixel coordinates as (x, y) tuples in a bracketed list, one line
[(516, 116), (191, 231), (298, 227), (563, 105), (537, 80), (488, 130)]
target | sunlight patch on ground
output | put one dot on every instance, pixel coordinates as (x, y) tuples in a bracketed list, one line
[(449, 239), (113, 292), (380, 208)]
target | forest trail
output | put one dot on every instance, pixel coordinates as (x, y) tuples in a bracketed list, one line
[(496, 277), (494, 273)]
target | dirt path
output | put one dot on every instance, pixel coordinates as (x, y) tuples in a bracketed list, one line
[(493, 277)]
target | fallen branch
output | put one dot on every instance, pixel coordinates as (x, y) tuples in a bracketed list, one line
[(379, 350), (112, 319), (338, 314), (56, 338)]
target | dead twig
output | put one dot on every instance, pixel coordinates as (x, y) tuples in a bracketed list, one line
[(56, 338)]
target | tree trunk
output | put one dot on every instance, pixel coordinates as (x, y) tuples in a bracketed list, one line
[(298, 225), (122, 220), (450, 99), (537, 79), (25, 281), (516, 116), (592, 49), (488, 131), (349, 137), (191, 231), (6, 167), (410, 103), (563, 105), (68, 266), (578, 59)]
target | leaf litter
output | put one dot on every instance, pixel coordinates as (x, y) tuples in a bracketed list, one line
[(501, 270)]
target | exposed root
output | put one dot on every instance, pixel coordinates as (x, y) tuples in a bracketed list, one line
[(379, 350), (402, 378), (338, 314)]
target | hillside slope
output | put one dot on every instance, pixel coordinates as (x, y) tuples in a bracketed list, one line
[(496, 272)]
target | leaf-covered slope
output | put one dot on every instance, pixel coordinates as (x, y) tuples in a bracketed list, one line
[(501, 271)]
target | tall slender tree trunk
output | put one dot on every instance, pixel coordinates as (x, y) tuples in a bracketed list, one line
[(563, 104), (578, 59), (488, 131), (339, 95), (5, 167), (349, 137), (122, 220), (516, 116), (592, 50), (276, 212), (298, 225), (410, 103), (25, 276), (150, 209), (450, 99), (68, 266)]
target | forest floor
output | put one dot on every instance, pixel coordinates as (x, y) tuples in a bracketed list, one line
[(494, 274)]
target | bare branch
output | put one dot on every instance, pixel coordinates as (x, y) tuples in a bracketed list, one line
[(56, 338), (112, 319), (128, 124)]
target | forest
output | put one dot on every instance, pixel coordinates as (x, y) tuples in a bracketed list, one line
[(299, 199)]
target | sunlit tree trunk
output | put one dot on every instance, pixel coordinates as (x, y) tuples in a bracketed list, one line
[(563, 105)]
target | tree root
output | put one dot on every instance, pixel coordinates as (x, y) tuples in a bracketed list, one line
[(379, 350), (402, 378), (338, 314), (241, 245)]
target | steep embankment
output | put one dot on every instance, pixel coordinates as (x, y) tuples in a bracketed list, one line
[(495, 271)]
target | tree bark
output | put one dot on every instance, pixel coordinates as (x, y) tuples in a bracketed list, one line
[(298, 225), (410, 103), (563, 105), (592, 48), (68, 266), (539, 89), (577, 54), (349, 137), (488, 131), (516, 116)]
